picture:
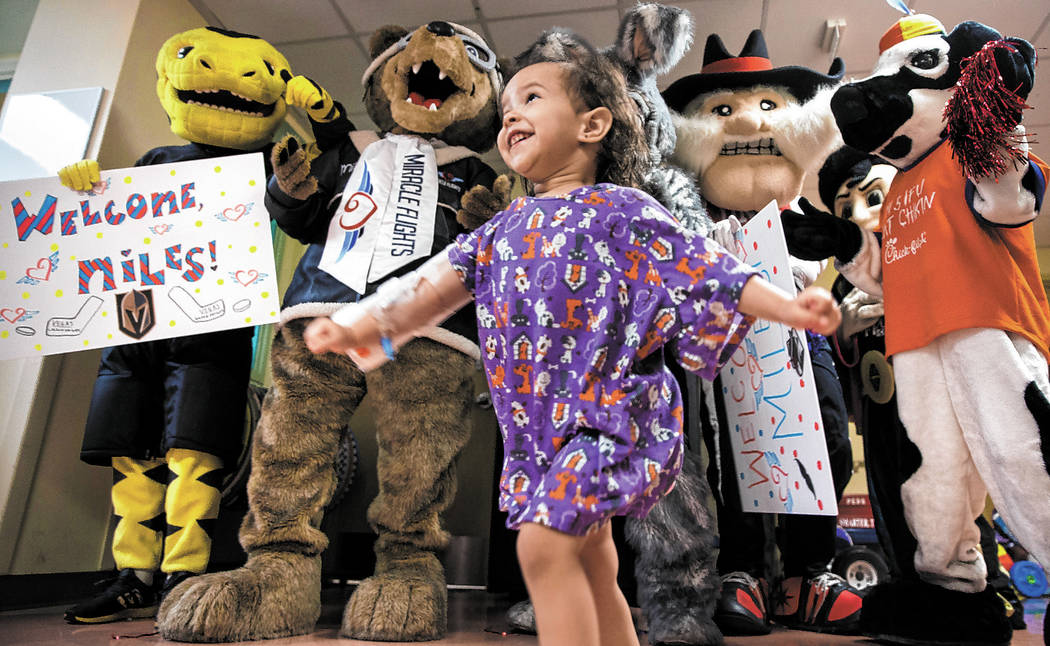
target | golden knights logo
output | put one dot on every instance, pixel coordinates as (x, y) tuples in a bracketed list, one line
[(135, 313)]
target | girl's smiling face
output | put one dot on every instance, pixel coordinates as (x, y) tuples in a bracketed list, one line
[(543, 137)]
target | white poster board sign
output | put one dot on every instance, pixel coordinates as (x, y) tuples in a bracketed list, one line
[(775, 428), (153, 252)]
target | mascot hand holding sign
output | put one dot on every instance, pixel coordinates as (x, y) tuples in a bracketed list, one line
[(224, 93), (370, 208), (967, 320)]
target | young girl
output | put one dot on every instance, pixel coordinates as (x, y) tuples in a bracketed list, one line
[(577, 289)]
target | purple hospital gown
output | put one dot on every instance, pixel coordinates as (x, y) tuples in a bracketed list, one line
[(576, 295)]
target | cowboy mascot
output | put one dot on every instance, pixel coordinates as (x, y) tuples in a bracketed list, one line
[(750, 132)]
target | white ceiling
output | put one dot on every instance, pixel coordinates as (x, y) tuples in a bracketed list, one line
[(328, 39)]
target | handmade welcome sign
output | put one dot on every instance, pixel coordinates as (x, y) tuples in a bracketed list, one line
[(776, 432), (150, 253)]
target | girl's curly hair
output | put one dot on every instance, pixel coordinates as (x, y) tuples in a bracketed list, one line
[(596, 81)]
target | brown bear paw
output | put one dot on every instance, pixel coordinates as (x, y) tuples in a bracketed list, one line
[(393, 607), (291, 168), (275, 594), (479, 204)]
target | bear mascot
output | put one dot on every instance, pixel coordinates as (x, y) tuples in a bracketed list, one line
[(371, 207)]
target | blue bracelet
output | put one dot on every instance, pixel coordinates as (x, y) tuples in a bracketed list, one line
[(388, 347)]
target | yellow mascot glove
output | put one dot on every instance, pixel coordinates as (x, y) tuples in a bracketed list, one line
[(305, 93), (80, 176)]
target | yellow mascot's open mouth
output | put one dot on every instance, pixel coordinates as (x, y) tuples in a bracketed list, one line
[(226, 101)]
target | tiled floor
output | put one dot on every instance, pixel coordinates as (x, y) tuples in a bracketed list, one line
[(474, 618)]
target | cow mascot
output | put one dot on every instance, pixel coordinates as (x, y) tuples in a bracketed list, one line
[(967, 321)]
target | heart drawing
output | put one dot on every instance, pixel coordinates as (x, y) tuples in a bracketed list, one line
[(247, 277), (42, 271), (11, 315), (234, 213), (356, 211)]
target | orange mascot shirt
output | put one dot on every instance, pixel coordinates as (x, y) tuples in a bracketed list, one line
[(943, 270)]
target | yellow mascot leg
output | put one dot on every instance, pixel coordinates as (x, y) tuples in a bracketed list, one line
[(138, 503), (192, 505)]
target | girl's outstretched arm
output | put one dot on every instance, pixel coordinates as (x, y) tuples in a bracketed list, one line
[(813, 308), (370, 330)]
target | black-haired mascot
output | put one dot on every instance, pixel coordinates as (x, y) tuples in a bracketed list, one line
[(853, 185), (433, 93), (967, 320)]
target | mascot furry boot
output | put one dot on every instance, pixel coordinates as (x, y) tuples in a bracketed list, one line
[(674, 545), (970, 364), (437, 88)]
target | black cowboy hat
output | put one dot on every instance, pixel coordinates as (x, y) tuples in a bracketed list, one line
[(722, 71)]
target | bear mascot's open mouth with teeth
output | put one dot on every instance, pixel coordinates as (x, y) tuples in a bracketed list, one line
[(432, 79)]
